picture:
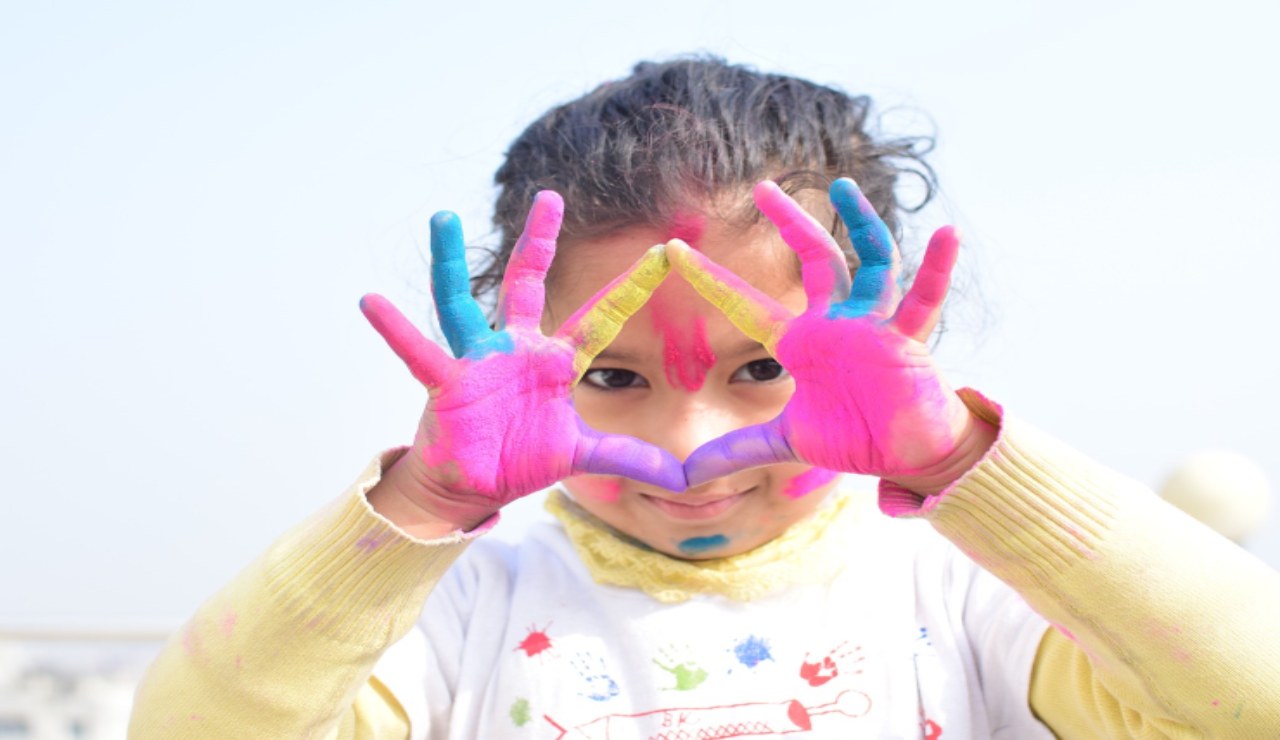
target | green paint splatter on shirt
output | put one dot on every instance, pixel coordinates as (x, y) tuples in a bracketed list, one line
[(520, 712), (688, 675)]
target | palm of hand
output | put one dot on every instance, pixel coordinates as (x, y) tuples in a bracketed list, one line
[(477, 451), (869, 406), (868, 397), (500, 422)]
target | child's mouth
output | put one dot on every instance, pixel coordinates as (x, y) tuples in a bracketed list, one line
[(696, 511)]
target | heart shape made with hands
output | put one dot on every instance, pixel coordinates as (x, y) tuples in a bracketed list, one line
[(500, 422)]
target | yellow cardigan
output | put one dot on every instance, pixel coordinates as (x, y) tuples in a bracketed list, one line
[(1165, 629)]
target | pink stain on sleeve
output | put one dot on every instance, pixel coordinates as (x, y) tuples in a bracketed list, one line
[(229, 623), (808, 481), (686, 353)]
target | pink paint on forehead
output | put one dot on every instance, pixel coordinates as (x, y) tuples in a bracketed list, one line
[(809, 480), (686, 353), (688, 228)]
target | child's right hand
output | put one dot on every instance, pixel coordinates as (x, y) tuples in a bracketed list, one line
[(500, 423)]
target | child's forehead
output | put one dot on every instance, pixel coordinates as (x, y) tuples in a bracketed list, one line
[(755, 253)]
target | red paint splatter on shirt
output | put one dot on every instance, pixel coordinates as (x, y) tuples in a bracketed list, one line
[(535, 642)]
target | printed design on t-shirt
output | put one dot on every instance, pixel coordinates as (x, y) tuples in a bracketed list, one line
[(519, 712), (929, 729), (686, 671), (822, 670), (752, 651), (536, 642), (748, 719), (597, 685)]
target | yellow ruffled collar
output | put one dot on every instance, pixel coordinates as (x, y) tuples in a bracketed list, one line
[(805, 553)]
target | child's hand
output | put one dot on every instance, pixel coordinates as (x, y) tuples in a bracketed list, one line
[(869, 398), (500, 423)]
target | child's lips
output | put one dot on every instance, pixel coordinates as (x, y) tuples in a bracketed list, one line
[(696, 509)]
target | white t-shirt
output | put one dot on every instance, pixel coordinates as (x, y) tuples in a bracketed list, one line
[(909, 639)]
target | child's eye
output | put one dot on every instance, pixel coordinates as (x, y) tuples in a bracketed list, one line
[(610, 378), (760, 371)]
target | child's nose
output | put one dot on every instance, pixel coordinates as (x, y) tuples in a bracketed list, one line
[(693, 423)]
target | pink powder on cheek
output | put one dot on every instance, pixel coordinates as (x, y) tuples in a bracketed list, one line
[(686, 353), (806, 482), (603, 488)]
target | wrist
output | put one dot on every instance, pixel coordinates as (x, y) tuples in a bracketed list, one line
[(405, 495), (975, 439)]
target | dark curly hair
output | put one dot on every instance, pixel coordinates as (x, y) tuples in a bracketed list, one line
[(639, 150)]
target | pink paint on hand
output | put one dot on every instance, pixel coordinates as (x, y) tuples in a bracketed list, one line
[(500, 423), (869, 398), (808, 481)]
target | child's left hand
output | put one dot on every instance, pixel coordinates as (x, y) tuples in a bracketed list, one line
[(869, 398)]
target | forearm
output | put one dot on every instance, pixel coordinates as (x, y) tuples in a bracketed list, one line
[(1175, 620), (286, 648)]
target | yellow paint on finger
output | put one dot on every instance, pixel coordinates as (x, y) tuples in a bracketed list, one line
[(597, 323), (754, 313)]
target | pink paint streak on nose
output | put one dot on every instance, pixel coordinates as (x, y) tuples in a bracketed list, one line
[(806, 482), (686, 353), (602, 487)]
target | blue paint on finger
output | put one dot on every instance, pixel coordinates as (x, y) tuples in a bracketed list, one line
[(874, 245), (461, 319)]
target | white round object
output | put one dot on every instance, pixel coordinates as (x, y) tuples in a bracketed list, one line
[(1224, 489)]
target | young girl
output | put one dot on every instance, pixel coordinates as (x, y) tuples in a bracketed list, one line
[(695, 402)]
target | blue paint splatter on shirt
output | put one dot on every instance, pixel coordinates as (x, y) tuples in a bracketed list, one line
[(752, 651)]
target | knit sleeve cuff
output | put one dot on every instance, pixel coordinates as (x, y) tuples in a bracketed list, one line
[(348, 562), (1030, 508)]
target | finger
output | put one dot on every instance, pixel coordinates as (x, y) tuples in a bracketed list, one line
[(754, 313), (523, 290), (822, 265), (749, 447), (919, 311), (428, 363), (875, 284), (616, 454), (461, 319), (594, 326)]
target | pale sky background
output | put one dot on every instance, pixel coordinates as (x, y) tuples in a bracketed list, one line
[(193, 199)]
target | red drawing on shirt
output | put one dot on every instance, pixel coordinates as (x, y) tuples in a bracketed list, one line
[(712, 723), (536, 641), (932, 730), (822, 671)]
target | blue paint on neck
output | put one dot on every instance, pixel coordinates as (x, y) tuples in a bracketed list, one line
[(696, 545)]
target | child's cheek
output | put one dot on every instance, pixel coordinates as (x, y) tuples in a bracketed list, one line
[(808, 481), (606, 488)]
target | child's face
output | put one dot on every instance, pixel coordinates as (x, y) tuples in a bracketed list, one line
[(678, 375)]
